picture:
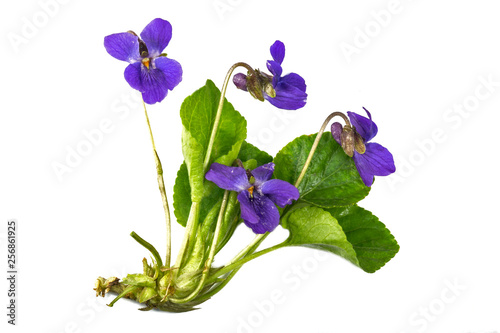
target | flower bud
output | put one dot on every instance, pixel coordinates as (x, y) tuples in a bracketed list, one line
[(336, 131), (254, 86), (347, 140), (350, 139), (240, 81), (359, 144)]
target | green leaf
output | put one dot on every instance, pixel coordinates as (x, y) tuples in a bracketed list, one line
[(331, 179), (198, 116), (231, 220), (372, 241), (146, 294), (249, 151), (139, 280), (350, 232), (182, 196), (314, 227)]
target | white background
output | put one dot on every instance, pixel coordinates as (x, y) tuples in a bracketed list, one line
[(414, 70)]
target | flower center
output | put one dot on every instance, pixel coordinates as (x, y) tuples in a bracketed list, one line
[(250, 190), (145, 62)]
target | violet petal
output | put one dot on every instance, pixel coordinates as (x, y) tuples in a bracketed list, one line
[(263, 173), (287, 97), (275, 69), (157, 35), (278, 51), (123, 46), (154, 84), (364, 126), (376, 161), (248, 213), (295, 80), (171, 69), (280, 192), (260, 206), (133, 76), (228, 178)]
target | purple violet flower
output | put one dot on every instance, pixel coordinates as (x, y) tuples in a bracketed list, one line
[(376, 160), (290, 89), (258, 193), (150, 71)]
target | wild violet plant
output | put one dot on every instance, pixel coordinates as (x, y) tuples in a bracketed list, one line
[(311, 187)]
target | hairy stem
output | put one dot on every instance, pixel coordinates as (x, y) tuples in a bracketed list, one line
[(244, 260), (249, 249), (193, 216), (316, 142), (123, 293), (161, 185), (257, 240), (219, 110), (218, 288)]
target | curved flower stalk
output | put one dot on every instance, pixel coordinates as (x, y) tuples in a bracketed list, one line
[(150, 71)]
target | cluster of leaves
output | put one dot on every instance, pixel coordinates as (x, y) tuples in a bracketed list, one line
[(326, 216)]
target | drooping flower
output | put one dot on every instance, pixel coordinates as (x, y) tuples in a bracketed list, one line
[(376, 160), (258, 193), (150, 71), (289, 91)]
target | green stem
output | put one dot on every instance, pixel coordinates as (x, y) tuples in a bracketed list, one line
[(208, 263), (193, 215), (161, 185), (193, 220), (249, 249), (219, 110), (316, 142), (244, 260), (257, 240), (148, 246), (123, 293), (215, 290)]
